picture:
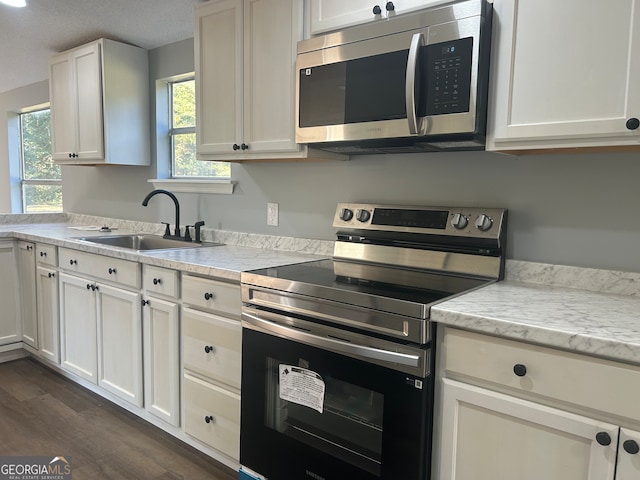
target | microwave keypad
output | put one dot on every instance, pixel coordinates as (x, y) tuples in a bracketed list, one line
[(448, 82)]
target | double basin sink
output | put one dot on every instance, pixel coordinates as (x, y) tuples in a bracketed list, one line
[(144, 242)]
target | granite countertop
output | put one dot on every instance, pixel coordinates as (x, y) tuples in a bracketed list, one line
[(575, 319), (222, 261)]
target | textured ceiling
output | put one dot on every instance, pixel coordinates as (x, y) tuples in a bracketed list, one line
[(28, 36)]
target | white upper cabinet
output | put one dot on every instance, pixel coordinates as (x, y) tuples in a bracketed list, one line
[(327, 15), (218, 66), (245, 52), (100, 105), (564, 75)]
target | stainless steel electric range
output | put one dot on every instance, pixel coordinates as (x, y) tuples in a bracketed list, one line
[(337, 358)]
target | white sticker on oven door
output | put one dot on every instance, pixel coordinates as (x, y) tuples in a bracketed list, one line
[(301, 386)]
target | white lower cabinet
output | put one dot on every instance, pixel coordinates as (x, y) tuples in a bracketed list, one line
[(27, 269), (47, 302), (212, 344), (487, 435), (212, 415), (10, 320), (161, 326), (101, 323), (78, 327), (48, 317), (511, 410), (120, 342)]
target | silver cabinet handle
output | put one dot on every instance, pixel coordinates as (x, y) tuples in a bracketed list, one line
[(417, 41)]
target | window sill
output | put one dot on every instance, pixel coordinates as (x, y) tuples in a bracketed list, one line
[(224, 187)]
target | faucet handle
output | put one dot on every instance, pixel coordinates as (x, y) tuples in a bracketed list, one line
[(167, 230), (198, 225), (187, 235)]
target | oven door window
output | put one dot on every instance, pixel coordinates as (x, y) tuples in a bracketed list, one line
[(328, 414), (338, 418)]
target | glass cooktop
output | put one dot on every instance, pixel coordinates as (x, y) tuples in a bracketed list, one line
[(319, 278)]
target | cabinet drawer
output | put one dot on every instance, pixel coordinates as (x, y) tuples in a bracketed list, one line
[(212, 295), (212, 415), (162, 281), (47, 255), (569, 377), (212, 346), (101, 267)]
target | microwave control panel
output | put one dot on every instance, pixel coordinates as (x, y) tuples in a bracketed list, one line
[(448, 83)]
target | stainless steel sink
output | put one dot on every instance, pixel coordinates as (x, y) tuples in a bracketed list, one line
[(144, 242)]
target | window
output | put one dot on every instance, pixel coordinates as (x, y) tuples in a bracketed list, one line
[(182, 132), (41, 179)]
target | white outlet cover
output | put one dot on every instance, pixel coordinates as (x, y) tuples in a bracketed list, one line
[(272, 214)]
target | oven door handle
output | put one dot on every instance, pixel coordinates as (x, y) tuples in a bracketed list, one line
[(417, 41), (335, 345)]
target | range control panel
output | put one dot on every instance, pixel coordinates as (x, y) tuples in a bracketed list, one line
[(456, 221)]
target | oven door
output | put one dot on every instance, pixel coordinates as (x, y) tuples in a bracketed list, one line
[(321, 406)]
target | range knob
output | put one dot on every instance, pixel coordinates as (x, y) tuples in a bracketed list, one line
[(363, 215), (346, 214), (484, 222), (459, 221)]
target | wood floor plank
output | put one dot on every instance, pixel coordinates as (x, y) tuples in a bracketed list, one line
[(42, 413)]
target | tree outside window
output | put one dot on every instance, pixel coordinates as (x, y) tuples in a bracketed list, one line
[(183, 136), (41, 178)]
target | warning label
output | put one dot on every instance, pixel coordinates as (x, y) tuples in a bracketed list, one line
[(301, 386)]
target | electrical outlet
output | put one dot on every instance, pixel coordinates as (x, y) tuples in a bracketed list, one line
[(272, 214)]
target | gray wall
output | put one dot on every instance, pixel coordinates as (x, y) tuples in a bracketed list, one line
[(572, 209)]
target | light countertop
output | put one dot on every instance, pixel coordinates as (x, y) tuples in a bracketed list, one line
[(582, 321), (223, 261), (582, 310)]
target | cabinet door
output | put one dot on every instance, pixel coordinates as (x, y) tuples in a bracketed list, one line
[(329, 15), (9, 295), (48, 319), (628, 455), (218, 66), (63, 113), (570, 86), (120, 342), (78, 326), (487, 435), (269, 74), (27, 273), (162, 359), (76, 105), (88, 90)]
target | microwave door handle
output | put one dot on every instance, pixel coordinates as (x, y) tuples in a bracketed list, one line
[(417, 41)]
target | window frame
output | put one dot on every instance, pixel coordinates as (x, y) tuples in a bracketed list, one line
[(174, 131), (21, 160)]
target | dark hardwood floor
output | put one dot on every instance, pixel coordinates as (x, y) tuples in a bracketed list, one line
[(42, 413)]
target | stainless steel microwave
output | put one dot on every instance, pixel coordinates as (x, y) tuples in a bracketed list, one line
[(412, 83)]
